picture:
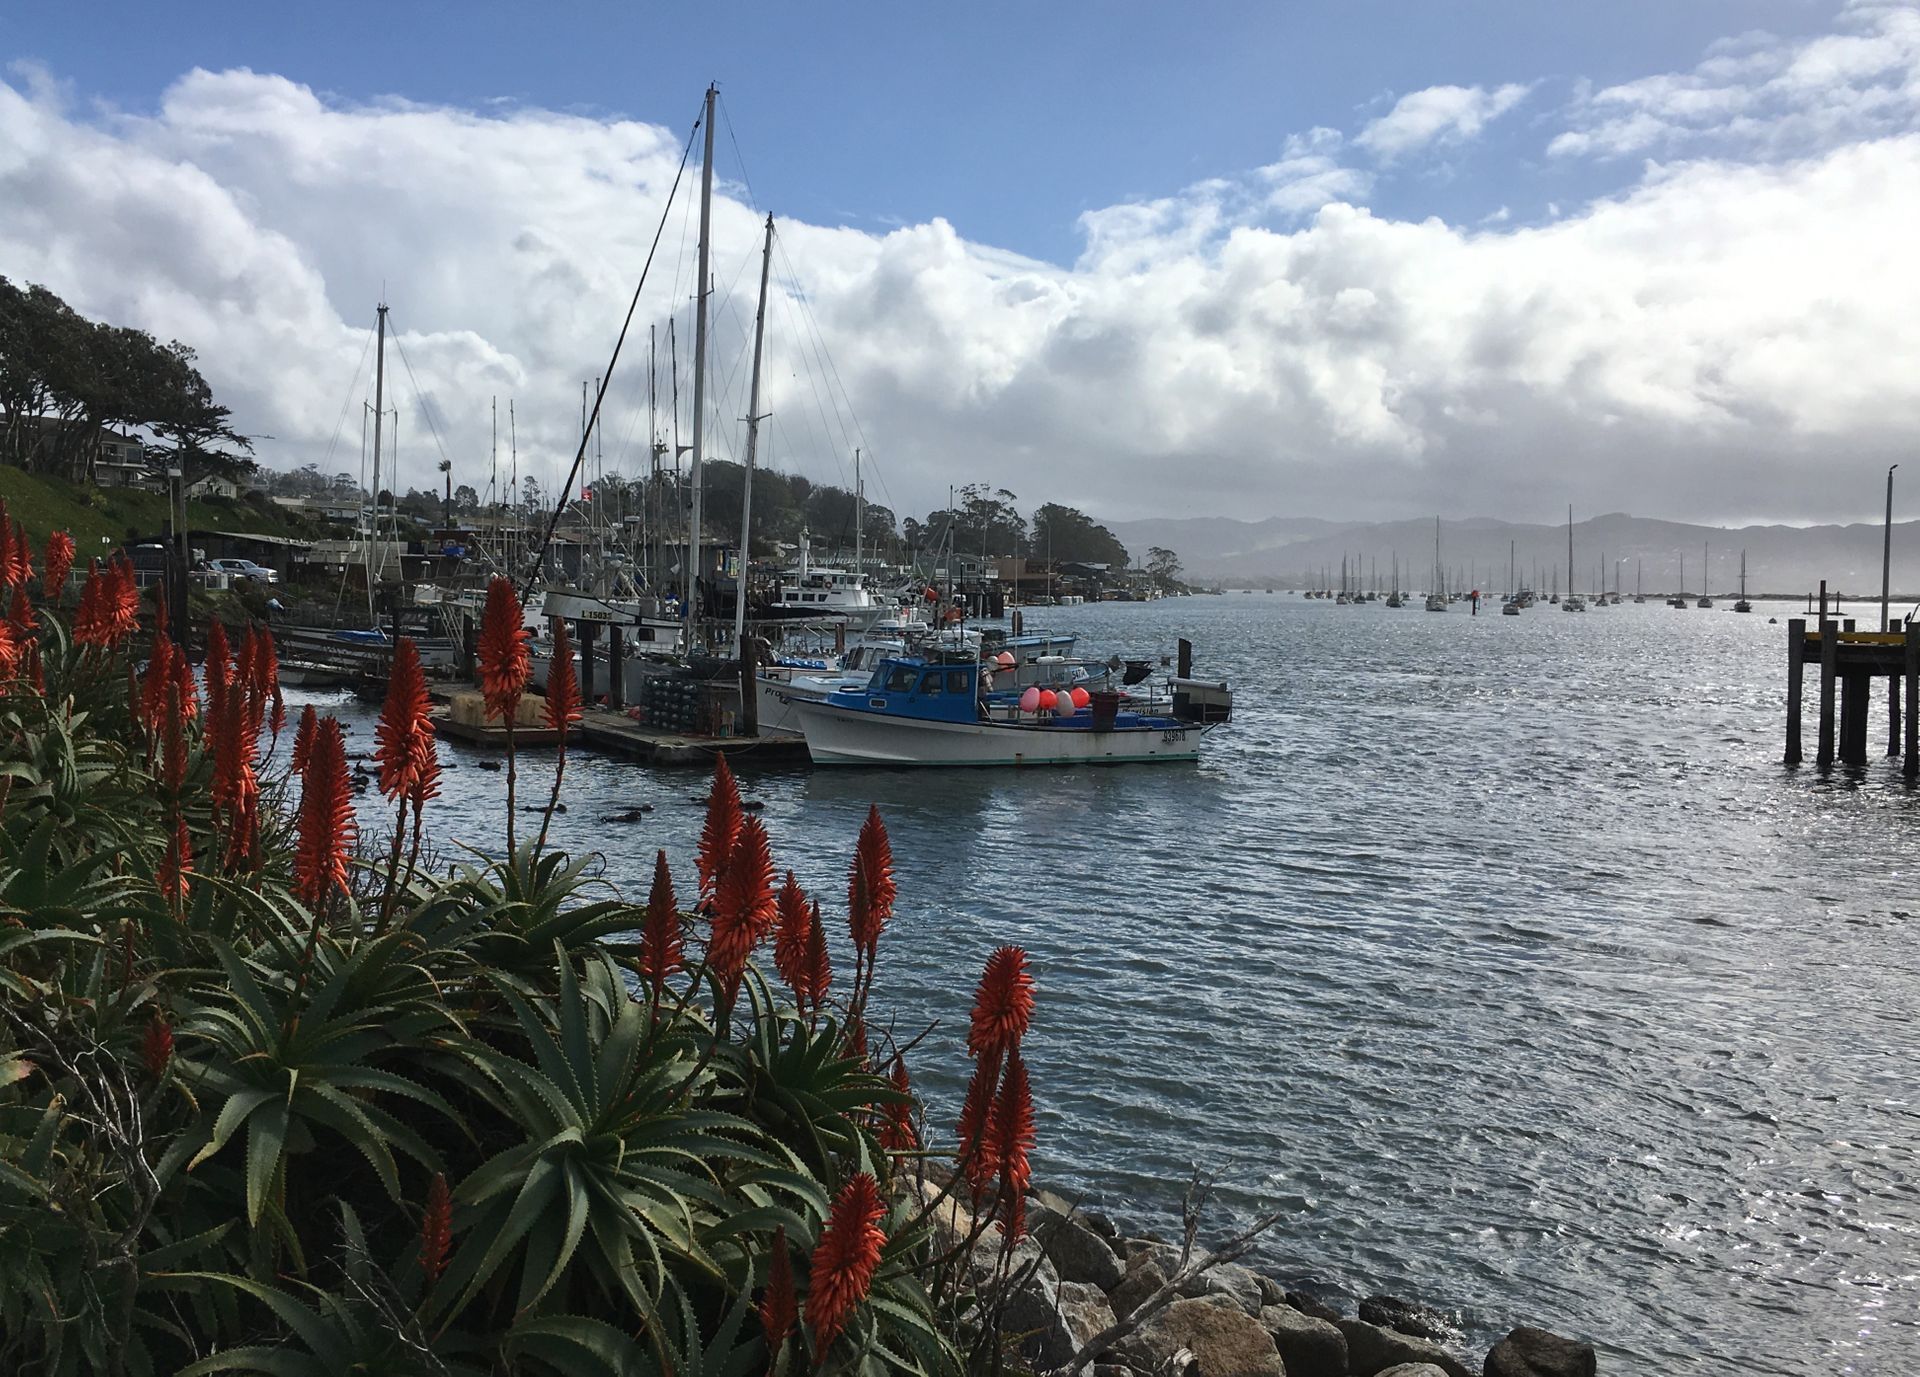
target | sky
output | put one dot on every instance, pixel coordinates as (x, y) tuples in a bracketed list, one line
[(1352, 258)]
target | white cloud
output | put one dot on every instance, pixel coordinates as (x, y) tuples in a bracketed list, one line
[(1720, 333), (1761, 96), (1438, 117)]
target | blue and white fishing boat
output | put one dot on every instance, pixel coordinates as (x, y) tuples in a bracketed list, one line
[(930, 711)]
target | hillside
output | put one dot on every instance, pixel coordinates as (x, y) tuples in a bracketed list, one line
[(1303, 552), (101, 517)]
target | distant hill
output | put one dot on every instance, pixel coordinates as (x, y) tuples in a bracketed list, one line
[(1302, 552)]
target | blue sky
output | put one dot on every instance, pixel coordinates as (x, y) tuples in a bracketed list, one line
[(1357, 259), (1010, 120)]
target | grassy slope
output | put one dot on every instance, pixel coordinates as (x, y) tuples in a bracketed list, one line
[(102, 517)]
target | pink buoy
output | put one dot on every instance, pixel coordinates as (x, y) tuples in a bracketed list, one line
[(1004, 659), (1030, 700), (1081, 697)]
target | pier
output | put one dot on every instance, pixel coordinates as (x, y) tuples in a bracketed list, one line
[(1848, 661)]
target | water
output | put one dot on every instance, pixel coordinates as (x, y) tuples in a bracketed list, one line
[(1499, 953)]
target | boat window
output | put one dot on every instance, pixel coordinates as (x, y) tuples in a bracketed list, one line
[(957, 681), (900, 681), (930, 681)]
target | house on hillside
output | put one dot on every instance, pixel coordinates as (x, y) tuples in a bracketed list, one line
[(213, 485)]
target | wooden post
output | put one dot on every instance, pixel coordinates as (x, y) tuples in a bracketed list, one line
[(586, 630), (1829, 658), (1911, 768), (1893, 713), (748, 723), (616, 669), (1186, 658), (1855, 686), (1796, 659)]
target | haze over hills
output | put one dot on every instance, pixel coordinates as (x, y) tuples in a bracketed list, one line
[(1300, 552)]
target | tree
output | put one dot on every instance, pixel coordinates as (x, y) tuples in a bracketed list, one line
[(1163, 565), (1062, 533), (465, 499)]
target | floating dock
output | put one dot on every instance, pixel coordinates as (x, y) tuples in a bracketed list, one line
[(618, 734)]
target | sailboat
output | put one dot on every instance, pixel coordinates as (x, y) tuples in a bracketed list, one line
[(1638, 570), (1706, 590), (1394, 599), (1573, 601), (1680, 599), (1436, 601), (1743, 605)]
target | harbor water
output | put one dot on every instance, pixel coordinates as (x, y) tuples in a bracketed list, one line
[(1499, 953)]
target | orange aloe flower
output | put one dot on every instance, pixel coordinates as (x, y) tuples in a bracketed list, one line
[(791, 933), (89, 624), (219, 671), (846, 1258), (156, 1046), (404, 740), (870, 887), (1003, 1004), (59, 562), (436, 1229), (177, 864), (1009, 1139), (20, 559), (504, 661), (20, 613), (722, 827), (974, 1152), (267, 670), (120, 602), (236, 787), (743, 907), (562, 707), (154, 690), (303, 739), (818, 975), (778, 1310), (660, 932), (325, 824), (898, 1133)]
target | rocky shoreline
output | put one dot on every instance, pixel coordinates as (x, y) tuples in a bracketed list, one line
[(1079, 1296)]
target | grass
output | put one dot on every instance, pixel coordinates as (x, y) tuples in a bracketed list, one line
[(99, 518)]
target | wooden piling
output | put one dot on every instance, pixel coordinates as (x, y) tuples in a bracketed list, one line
[(1829, 659), (1853, 717), (616, 669), (1796, 660), (1186, 658), (1911, 767), (586, 630), (1893, 714), (748, 723)]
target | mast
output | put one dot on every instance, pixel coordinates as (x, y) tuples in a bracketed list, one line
[(379, 415), (1569, 549), (692, 567), (753, 440), (859, 517)]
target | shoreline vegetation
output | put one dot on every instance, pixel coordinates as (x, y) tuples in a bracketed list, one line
[(281, 1097)]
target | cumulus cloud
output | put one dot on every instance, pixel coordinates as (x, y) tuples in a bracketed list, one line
[(1758, 95), (1720, 334), (1438, 117)]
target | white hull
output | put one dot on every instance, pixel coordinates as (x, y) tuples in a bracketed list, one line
[(841, 736)]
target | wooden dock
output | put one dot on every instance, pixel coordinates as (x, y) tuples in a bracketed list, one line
[(1849, 661), (618, 734)]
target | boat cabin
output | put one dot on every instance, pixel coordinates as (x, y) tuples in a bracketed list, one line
[(946, 691)]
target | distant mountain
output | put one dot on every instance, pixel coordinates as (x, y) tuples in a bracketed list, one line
[(1303, 552)]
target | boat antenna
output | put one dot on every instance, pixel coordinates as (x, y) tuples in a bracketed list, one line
[(579, 457)]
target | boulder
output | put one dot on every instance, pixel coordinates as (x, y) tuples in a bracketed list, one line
[(1223, 1341), (1309, 1304), (1413, 1370), (1271, 1291), (1529, 1352), (1372, 1350), (1102, 1225), (1077, 1252), (1141, 1281), (1240, 1284), (1408, 1317), (1312, 1347), (1085, 1311)]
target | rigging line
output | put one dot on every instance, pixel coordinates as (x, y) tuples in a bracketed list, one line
[(347, 401), (540, 554), (826, 355), (426, 402), (813, 384)]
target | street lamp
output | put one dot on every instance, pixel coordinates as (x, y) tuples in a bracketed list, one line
[(1886, 553)]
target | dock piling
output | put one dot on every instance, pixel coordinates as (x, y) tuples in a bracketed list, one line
[(1796, 660), (1829, 661), (616, 669), (1911, 767)]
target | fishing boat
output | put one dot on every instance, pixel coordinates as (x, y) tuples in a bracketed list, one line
[(930, 711), (1743, 605)]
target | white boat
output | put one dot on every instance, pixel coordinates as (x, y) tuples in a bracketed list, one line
[(1573, 602), (811, 590), (929, 712)]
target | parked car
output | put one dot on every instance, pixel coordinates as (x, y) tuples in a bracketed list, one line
[(243, 568)]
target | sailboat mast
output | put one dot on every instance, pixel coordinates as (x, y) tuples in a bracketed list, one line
[(379, 416), (691, 568), (753, 442), (1569, 549), (859, 518)]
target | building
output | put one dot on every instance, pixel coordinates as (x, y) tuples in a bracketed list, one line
[(213, 485)]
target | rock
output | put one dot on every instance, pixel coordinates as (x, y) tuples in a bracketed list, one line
[(1271, 1291), (1372, 1350), (1077, 1252), (489, 764), (1030, 1314), (1101, 1225), (1413, 1370), (1229, 1279), (1223, 1341), (1309, 1304), (1529, 1352), (1142, 1280), (1312, 1347), (1084, 1309), (751, 805), (1421, 1321)]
